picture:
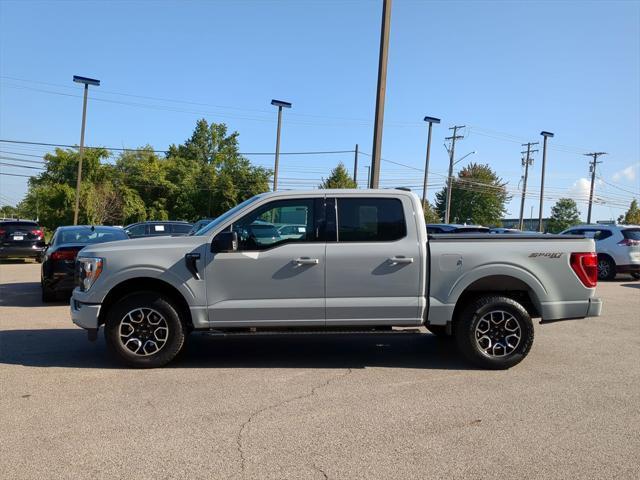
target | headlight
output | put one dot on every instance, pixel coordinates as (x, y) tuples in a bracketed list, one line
[(88, 269)]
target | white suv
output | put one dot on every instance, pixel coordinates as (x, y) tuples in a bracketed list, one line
[(618, 248)]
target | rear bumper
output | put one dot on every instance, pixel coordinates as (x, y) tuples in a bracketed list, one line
[(557, 311), (84, 315), (630, 268), (10, 251)]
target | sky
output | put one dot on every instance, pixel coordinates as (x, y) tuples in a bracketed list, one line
[(504, 69)]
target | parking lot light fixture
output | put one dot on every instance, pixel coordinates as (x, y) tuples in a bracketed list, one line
[(96, 83), (280, 104)]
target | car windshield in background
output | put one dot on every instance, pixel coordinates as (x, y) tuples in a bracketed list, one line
[(88, 235)]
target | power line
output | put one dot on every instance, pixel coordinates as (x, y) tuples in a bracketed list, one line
[(20, 166)]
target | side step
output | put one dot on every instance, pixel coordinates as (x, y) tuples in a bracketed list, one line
[(305, 331)]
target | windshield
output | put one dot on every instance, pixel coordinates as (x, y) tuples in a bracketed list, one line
[(223, 218)]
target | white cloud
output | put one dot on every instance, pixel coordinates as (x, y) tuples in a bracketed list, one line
[(580, 189), (628, 173)]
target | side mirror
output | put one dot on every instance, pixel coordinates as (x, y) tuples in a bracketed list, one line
[(225, 242)]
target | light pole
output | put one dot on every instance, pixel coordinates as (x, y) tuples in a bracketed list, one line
[(544, 161), (280, 104), (380, 94), (447, 211), (431, 121), (86, 81)]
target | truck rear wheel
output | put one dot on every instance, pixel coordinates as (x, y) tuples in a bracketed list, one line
[(144, 330), (494, 332)]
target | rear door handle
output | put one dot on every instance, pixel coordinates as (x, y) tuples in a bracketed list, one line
[(399, 260), (306, 261)]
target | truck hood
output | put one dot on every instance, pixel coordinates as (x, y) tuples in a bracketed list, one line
[(134, 245)]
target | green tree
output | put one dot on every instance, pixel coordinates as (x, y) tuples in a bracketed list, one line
[(478, 195), (564, 214), (632, 216), (339, 178), (430, 214)]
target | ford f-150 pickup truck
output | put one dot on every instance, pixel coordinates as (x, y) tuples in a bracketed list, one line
[(356, 260)]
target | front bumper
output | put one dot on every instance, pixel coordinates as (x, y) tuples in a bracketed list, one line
[(84, 315)]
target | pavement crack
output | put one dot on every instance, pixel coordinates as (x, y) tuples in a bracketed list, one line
[(318, 469), (260, 411)]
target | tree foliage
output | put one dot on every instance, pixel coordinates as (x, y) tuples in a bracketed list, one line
[(478, 195), (430, 213), (564, 214), (632, 216), (338, 178), (203, 177)]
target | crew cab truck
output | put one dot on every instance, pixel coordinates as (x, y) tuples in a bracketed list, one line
[(362, 262)]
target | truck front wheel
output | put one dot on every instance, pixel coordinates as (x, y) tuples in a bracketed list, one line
[(144, 330), (494, 332)]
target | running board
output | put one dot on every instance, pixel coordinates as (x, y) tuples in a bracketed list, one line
[(303, 331)]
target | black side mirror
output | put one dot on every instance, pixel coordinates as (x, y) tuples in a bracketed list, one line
[(225, 242)]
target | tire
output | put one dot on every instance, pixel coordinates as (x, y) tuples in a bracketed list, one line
[(606, 268), (158, 329), (438, 330), (48, 295), (496, 316)]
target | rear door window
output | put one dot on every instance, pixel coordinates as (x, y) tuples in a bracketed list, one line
[(160, 229), (370, 220), (183, 228)]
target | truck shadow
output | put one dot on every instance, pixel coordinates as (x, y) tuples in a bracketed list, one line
[(69, 348)]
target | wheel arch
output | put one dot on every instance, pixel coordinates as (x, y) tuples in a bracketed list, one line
[(501, 284), (146, 284)]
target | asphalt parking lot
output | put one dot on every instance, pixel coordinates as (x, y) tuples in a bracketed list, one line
[(317, 406)]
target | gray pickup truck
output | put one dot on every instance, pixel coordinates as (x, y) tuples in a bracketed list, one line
[(356, 260)]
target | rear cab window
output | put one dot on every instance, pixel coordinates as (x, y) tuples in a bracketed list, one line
[(362, 219)]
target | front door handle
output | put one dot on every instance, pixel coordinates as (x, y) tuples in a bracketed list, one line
[(306, 261), (191, 261), (400, 260)]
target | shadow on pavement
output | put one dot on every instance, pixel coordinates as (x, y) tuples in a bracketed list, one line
[(25, 294), (70, 348), (630, 285)]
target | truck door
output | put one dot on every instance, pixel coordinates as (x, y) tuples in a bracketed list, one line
[(273, 279), (373, 266)]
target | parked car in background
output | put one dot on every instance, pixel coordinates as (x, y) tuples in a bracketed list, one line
[(294, 232), (203, 222), (505, 230), (617, 246), (21, 239), (157, 229), (59, 257), (454, 228)]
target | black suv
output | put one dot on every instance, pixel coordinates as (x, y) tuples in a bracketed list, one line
[(21, 239)]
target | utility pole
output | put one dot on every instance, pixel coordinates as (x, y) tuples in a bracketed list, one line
[(355, 166), (380, 94), (368, 175), (544, 162), (525, 162), (592, 168), (431, 121), (86, 81), (452, 152)]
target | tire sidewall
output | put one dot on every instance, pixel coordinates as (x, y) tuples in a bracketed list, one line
[(612, 268), (466, 327), (175, 337)]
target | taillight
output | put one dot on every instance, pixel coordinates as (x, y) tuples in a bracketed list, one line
[(585, 265), (38, 233), (64, 255), (629, 242), (2, 231)]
